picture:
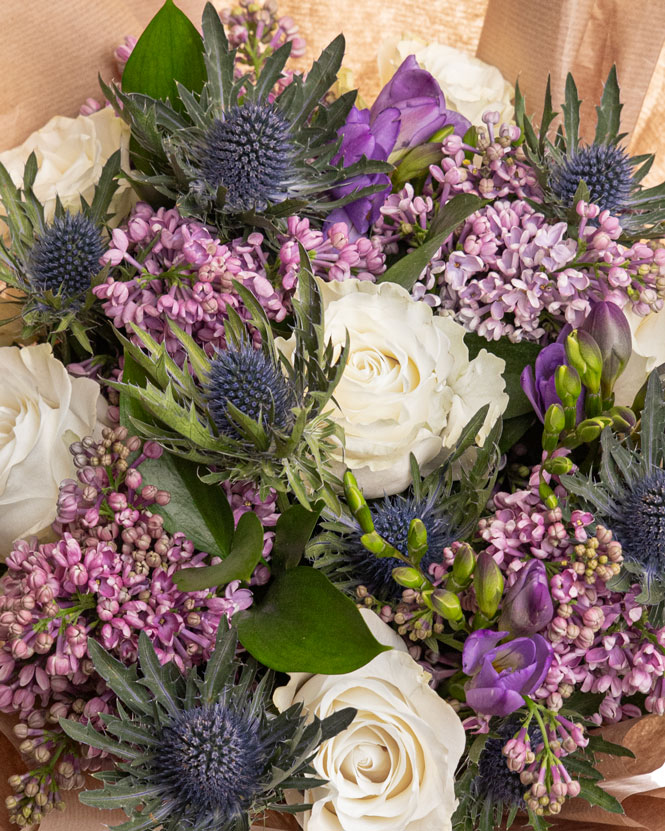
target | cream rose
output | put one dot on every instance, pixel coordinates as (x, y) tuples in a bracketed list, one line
[(71, 153), (393, 768), (42, 411), (469, 85), (408, 386), (648, 353)]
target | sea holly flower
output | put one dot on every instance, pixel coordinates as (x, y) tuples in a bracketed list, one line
[(237, 154), (55, 263), (204, 751), (250, 413), (502, 674), (601, 173)]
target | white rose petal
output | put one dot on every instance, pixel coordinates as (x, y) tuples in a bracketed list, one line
[(393, 768), (648, 353), (469, 85), (42, 411), (71, 153), (408, 386)]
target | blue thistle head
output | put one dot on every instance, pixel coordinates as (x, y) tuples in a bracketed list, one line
[(249, 380), (249, 154), (66, 256), (392, 517), (606, 170), (212, 760), (639, 522)]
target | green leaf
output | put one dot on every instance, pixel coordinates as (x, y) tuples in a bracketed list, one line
[(169, 50), (599, 745), (571, 114), (513, 430), (516, 356), (120, 678), (609, 111), (130, 407), (160, 680), (88, 736), (595, 795), (304, 624), (406, 271), (218, 60), (219, 666), (200, 511), (243, 558), (125, 796), (292, 533)]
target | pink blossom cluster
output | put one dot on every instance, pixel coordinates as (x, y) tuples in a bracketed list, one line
[(511, 271), (260, 19), (601, 639), (174, 269)]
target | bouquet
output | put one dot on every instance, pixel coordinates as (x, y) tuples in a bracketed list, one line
[(333, 443)]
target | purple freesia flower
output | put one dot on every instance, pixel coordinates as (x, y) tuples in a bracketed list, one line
[(417, 96), (408, 111), (539, 387), (527, 605), (503, 674)]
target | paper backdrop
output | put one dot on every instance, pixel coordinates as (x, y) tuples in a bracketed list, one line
[(52, 51)]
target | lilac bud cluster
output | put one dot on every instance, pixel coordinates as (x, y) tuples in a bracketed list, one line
[(601, 639), (540, 766), (254, 29), (175, 269)]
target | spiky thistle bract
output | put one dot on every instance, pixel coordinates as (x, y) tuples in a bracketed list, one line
[(629, 497), (236, 155), (275, 430), (602, 172), (448, 501), (55, 264), (198, 752)]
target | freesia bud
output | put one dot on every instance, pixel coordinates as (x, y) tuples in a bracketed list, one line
[(583, 354), (488, 583), (527, 607), (623, 419), (447, 605), (464, 564), (410, 578), (417, 540), (568, 385), (607, 325), (558, 465)]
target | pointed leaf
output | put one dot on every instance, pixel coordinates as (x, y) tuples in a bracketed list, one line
[(319, 79), (243, 558), (86, 735), (301, 623), (120, 678), (406, 271), (219, 59), (200, 511), (292, 533), (218, 669), (609, 111), (159, 679), (169, 50), (571, 115)]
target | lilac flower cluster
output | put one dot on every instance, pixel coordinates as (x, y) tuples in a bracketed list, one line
[(109, 576), (174, 269), (602, 642), (253, 26)]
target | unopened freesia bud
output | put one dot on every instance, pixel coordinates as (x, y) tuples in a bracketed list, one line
[(527, 607), (488, 584), (408, 577), (584, 355), (607, 325)]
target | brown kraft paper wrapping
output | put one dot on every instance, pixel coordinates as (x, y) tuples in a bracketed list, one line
[(50, 57)]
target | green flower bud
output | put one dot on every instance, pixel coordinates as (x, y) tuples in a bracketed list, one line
[(357, 504), (558, 466), (555, 421), (547, 495), (408, 577), (447, 605), (488, 584), (608, 326), (417, 540), (464, 564), (376, 545), (568, 385), (584, 355), (623, 419), (591, 428)]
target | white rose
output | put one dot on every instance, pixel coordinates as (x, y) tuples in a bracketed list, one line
[(393, 768), (648, 353), (469, 85), (408, 386), (71, 153), (42, 411)]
